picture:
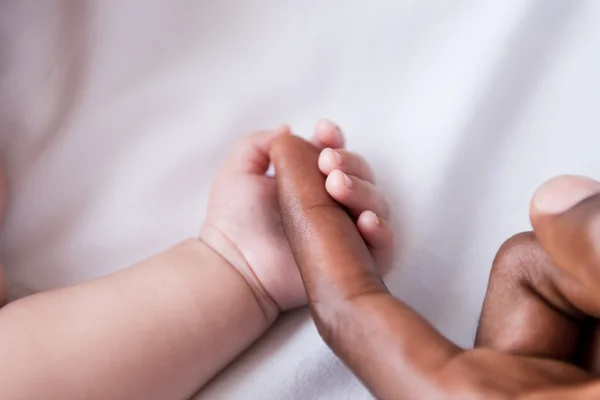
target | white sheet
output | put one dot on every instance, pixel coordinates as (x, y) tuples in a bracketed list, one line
[(114, 116)]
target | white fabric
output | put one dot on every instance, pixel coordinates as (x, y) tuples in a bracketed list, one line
[(114, 115)]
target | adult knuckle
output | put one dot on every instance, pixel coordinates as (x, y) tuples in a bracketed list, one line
[(513, 256)]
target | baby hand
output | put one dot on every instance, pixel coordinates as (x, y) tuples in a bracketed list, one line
[(243, 222)]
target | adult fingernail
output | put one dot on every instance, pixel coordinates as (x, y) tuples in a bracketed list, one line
[(563, 193)]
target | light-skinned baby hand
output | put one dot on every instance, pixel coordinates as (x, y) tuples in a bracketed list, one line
[(243, 222)]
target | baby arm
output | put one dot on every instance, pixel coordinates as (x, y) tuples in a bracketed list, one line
[(162, 328), (156, 330)]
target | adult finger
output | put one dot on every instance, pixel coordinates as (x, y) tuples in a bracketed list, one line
[(303, 197), (565, 214), (392, 349), (350, 163), (327, 134), (544, 286), (523, 312)]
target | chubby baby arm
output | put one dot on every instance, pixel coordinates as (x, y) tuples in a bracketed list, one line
[(156, 330), (163, 327)]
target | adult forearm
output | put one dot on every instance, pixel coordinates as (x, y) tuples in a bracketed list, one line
[(157, 330)]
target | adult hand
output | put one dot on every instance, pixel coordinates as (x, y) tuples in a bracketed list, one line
[(543, 298)]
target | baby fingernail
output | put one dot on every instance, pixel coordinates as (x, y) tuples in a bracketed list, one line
[(563, 193), (334, 156), (372, 218), (347, 181)]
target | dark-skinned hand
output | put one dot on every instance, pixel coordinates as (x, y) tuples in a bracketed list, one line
[(538, 328)]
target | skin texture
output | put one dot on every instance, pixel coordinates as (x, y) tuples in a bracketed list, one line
[(156, 330), (539, 313)]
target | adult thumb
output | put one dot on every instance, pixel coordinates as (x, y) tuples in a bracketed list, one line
[(565, 214)]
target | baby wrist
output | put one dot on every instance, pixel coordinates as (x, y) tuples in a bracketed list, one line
[(231, 256)]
